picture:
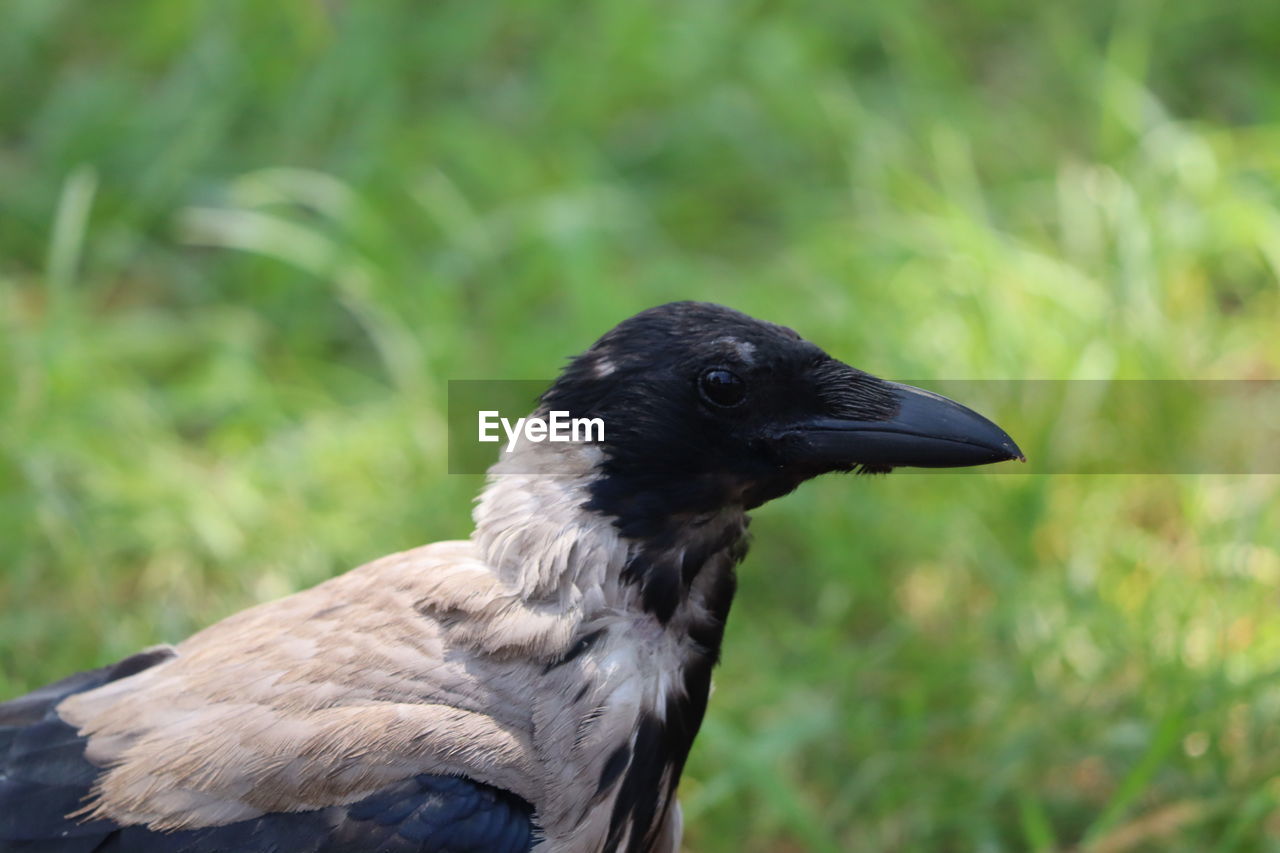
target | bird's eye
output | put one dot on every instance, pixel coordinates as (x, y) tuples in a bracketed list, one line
[(722, 387)]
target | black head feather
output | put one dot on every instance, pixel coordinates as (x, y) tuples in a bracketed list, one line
[(679, 438)]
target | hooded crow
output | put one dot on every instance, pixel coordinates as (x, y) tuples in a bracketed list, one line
[(535, 687)]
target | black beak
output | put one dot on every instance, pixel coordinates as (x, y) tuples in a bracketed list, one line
[(928, 431)]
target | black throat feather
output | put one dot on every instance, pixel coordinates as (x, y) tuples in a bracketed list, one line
[(684, 570)]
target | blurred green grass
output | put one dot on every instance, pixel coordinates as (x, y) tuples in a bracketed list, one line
[(243, 246)]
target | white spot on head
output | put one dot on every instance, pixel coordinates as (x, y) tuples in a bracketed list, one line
[(745, 350), (602, 368)]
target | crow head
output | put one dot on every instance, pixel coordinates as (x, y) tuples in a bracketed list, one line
[(705, 407)]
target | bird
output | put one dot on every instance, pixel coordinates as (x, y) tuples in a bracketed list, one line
[(536, 687)]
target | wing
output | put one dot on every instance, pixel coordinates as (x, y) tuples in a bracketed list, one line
[(43, 773), (44, 777)]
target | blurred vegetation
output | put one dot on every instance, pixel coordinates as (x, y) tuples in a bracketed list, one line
[(244, 245)]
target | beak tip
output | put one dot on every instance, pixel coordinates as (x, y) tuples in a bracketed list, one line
[(1010, 447)]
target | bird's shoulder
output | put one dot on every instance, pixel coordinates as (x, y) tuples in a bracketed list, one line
[(324, 697), (44, 779)]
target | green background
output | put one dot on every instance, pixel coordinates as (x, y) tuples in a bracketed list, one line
[(244, 245)]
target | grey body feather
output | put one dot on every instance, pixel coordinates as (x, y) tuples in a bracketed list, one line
[(443, 659)]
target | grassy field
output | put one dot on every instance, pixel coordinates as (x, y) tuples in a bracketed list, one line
[(244, 245)]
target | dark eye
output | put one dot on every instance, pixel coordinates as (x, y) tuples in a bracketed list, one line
[(722, 387)]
